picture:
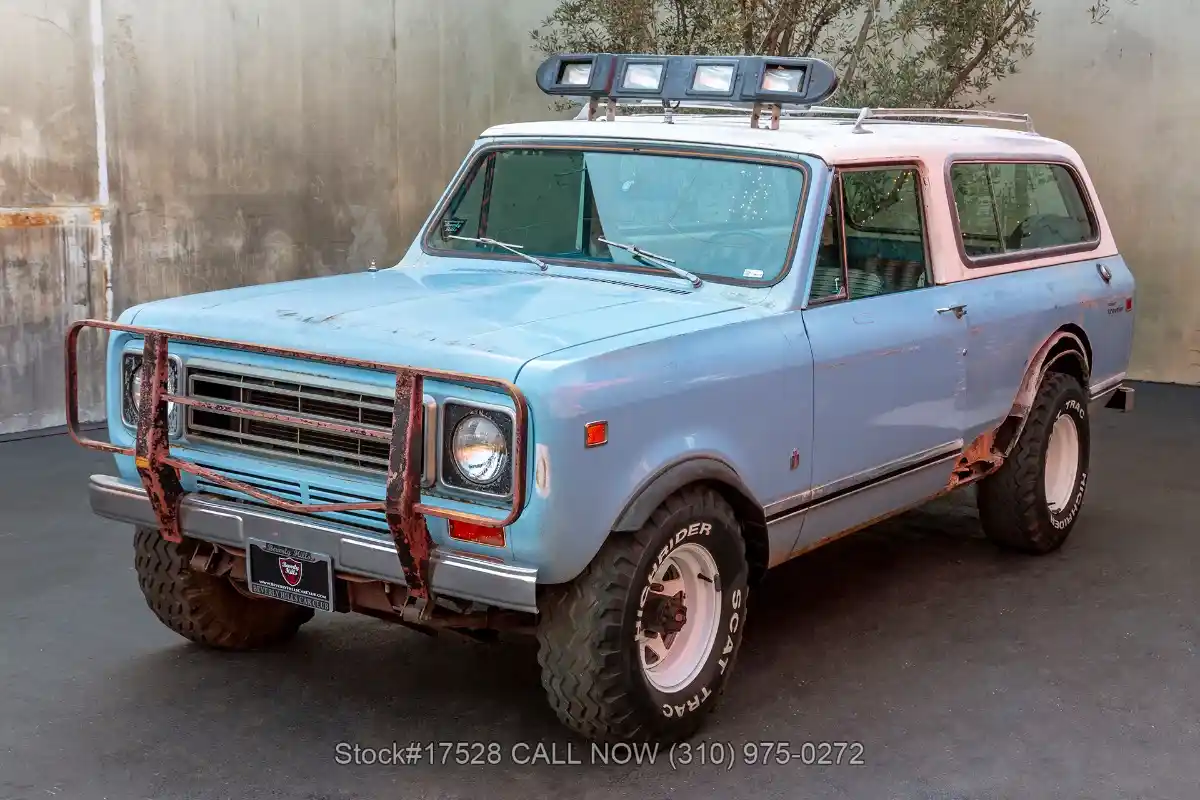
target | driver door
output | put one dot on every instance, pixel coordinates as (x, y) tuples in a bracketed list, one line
[(889, 351)]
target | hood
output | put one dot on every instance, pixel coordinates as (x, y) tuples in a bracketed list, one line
[(486, 318)]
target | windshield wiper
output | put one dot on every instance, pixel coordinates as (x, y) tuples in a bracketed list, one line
[(655, 260), (516, 249)]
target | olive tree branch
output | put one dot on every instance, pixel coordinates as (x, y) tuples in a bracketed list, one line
[(861, 42), (955, 86)]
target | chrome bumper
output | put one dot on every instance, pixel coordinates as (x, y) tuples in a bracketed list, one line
[(454, 574)]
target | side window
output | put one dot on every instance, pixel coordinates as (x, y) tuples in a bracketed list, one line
[(1011, 207), (973, 196), (876, 232)]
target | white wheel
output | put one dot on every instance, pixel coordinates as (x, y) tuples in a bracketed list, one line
[(1031, 503), (643, 642), (681, 617), (1062, 463)]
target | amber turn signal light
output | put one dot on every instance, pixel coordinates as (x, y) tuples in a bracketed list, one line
[(479, 534), (595, 434)]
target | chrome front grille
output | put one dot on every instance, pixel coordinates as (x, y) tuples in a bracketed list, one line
[(299, 399)]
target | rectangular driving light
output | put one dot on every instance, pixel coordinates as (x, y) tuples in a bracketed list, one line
[(641, 77), (782, 79), (715, 79), (575, 74)]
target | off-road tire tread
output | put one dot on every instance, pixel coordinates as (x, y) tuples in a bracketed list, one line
[(1008, 500), (206, 609), (579, 647)]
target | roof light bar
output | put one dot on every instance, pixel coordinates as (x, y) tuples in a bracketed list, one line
[(737, 79)]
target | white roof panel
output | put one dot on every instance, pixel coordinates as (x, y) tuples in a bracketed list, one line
[(833, 141)]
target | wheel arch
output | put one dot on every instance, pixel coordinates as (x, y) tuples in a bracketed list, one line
[(716, 475), (1070, 356), (1066, 351)]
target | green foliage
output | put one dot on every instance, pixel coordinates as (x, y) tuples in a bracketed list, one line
[(922, 53)]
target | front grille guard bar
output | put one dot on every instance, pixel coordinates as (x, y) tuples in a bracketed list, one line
[(402, 506)]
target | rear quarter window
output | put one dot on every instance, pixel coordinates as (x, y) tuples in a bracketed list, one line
[(1006, 210)]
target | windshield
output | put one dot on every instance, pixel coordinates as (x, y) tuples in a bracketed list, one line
[(717, 218)]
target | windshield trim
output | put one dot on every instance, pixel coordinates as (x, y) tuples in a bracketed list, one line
[(647, 147)]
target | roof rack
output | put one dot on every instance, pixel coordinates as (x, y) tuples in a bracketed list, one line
[(978, 115), (859, 116)]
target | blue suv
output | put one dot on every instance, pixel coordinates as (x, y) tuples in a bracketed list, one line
[(631, 362)]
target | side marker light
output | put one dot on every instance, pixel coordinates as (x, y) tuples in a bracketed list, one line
[(595, 434)]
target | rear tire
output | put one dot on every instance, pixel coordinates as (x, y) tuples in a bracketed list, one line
[(620, 659), (1032, 502), (203, 608)]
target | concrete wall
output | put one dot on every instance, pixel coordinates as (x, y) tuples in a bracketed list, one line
[(261, 140), (50, 246), (1125, 93), (248, 141)]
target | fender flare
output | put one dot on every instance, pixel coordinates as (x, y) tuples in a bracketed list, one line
[(670, 479), (1067, 344)]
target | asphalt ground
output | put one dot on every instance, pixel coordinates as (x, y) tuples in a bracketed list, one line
[(960, 671)]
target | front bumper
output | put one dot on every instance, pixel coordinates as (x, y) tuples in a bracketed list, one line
[(453, 574)]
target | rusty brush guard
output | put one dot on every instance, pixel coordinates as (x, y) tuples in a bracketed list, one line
[(402, 505)]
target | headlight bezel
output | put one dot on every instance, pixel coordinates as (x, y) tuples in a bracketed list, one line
[(131, 362), (453, 413)]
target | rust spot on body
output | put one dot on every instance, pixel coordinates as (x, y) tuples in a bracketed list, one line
[(978, 459)]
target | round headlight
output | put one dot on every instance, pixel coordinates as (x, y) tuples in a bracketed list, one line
[(135, 392), (479, 449), (135, 388)]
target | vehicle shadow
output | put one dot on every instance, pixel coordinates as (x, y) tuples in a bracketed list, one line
[(360, 681)]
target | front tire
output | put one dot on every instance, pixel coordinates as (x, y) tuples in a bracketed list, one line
[(206, 609), (1032, 502), (624, 656)]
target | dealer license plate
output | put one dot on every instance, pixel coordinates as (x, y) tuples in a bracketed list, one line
[(285, 573)]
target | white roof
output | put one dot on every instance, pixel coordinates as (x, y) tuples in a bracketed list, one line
[(833, 141), (929, 144)]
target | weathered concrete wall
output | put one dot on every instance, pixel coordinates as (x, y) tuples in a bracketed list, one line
[(49, 267), (47, 126), (248, 141), (48, 279), (1125, 94), (262, 140)]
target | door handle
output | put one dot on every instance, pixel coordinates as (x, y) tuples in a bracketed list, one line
[(1105, 272), (958, 310)]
